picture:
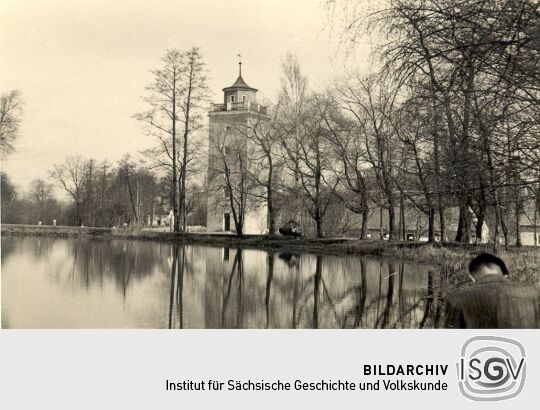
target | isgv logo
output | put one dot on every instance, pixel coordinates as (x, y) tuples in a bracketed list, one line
[(491, 368)]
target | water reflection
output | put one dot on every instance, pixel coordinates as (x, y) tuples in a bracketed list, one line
[(94, 283)]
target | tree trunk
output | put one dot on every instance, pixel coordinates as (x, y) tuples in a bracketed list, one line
[(269, 278), (271, 216), (497, 223), (316, 290), (174, 176), (464, 226), (402, 227), (183, 171), (381, 234), (271, 221), (318, 226), (431, 225), (479, 225), (518, 220), (364, 229), (535, 229), (239, 228), (442, 224), (133, 207), (391, 222), (505, 231)]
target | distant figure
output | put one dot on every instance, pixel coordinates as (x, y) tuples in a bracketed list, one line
[(54, 222), (171, 221), (493, 302), (39, 223), (291, 228), (485, 233)]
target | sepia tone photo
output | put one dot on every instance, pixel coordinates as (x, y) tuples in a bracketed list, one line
[(272, 164)]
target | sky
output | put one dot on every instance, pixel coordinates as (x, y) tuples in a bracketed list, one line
[(82, 65)]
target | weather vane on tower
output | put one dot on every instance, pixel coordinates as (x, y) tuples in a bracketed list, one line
[(240, 64)]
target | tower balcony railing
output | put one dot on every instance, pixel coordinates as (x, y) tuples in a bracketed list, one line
[(240, 106)]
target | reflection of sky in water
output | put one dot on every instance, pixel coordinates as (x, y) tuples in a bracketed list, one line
[(94, 283)]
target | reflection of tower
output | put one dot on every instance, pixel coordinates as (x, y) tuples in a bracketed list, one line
[(228, 124)]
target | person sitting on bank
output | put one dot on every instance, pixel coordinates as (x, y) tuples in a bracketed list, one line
[(493, 302)]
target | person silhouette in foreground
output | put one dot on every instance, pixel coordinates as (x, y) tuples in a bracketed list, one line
[(493, 301)]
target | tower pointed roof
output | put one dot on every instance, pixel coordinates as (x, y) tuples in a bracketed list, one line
[(239, 84)]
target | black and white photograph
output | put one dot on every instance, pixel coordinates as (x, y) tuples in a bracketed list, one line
[(306, 164)]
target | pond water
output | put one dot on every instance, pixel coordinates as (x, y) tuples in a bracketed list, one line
[(98, 283)]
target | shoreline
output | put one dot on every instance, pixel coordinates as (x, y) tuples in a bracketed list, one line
[(412, 251), (450, 259)]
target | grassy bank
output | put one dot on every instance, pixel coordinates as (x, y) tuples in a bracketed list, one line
[(452, 259), (523, 263)]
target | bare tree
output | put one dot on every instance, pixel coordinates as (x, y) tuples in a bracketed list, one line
[(293, 97), (41, 195), (164, 97), (371, 103), (349, 157), (194, 95), (126, 168), (8, 197), (10, 120), (417, 179), (459, 57), (264, 138), (305, 151), (71, 175), (229, 159), (176, 98), (40, 190)]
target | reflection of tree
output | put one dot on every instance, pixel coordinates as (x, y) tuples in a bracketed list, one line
[(317, 282), (439, 300), (389, 296), (237, 268), (8, 247), (180, 287), (92, 260), (240, 312), (361, 295), (324, 302), (359, 300), (296, 290), (86, 269), (400, 290), (379, 297), (74, 264), (433, 306), (319, 289), (270, 276), (176, 297), (133, 261), (174, 267), (428, 299), (305, 296), (388, 313)]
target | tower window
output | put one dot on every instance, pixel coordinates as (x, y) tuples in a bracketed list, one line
[(227, 150), (232, 98), (244, 98)]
